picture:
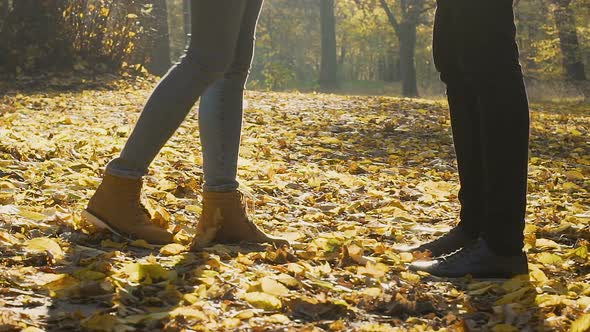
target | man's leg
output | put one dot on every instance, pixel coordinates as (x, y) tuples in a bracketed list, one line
[(488, 56), (505, 137), (504, 119), (491, 59), (466, 135), (465, 122)]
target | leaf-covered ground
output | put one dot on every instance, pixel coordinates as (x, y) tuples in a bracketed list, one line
[(347, 179)]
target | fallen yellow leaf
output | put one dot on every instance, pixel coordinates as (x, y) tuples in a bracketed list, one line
[(172, 249), (582, 324), (273, 287), (263, 301), (45, 244)]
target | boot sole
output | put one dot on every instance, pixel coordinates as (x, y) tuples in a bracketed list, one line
[(97, 222), (480, 279)]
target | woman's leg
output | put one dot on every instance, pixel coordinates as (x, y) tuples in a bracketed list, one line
[(116, 204), (224, 218), (220, 111), (215, 31)]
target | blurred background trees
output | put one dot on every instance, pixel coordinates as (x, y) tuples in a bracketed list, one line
[(405, 25), (366, 46), (328, 64)]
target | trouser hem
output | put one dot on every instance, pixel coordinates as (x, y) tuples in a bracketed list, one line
[(502, 248), (221, 189), (118, 171)]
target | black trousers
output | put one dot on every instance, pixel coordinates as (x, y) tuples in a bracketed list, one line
[(476, 53)]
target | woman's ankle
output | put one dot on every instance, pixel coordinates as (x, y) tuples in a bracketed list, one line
[(118, 167)]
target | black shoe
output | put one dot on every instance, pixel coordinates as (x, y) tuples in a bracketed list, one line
[(454, 240), (476, 260)]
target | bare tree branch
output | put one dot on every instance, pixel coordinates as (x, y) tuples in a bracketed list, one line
[(432, 6), (390, 15)]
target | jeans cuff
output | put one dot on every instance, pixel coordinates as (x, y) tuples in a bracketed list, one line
[(224, 188), (116, 169)]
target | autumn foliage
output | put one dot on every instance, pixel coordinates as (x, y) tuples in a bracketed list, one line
[(88, 35), (347, 179)]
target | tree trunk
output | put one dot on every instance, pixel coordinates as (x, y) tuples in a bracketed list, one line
[(3, 12), (407, 42), (186, 4), (342, 55), (406, 34), (159, 62), (391, 69), (382, 69), (395, 69), (568, 40), (328, 64), (584, 87)]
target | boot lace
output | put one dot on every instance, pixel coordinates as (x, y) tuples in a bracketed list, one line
[(465, 254)]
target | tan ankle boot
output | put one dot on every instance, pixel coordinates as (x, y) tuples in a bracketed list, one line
[(224, 220), (116, 206)]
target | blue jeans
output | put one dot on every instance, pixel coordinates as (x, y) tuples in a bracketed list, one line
[(215, 67)]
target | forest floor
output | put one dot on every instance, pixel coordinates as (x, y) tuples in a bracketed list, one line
[(347, 179)]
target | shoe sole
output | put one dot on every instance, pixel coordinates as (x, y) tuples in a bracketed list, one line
[(482, 279), (499, 277), (97, 222)]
